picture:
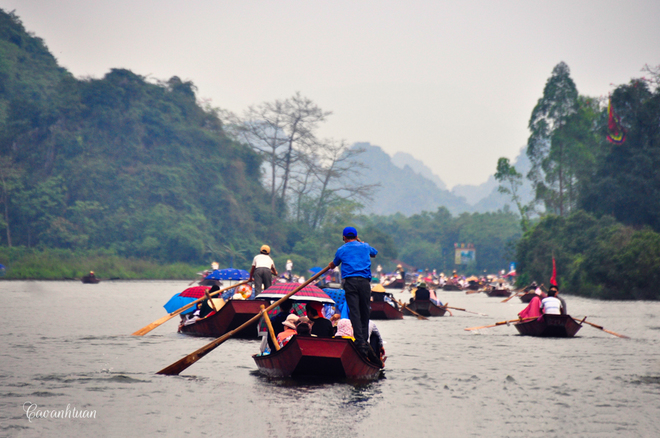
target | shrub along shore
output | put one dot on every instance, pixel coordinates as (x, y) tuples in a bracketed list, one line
[(62, 264)]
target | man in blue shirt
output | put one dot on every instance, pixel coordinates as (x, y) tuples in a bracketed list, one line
[(355, 260)]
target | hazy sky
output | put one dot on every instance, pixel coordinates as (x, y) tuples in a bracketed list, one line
[(451, 82)]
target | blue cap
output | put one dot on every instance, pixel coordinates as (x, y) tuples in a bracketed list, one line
[(350, 232)]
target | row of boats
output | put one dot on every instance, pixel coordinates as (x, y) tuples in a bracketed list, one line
[(338, 357)]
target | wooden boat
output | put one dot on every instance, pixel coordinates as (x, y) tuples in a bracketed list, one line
[(527, 297), (424, 308), (452, 285), (496, 292), (549, 326), (233, 314), (397, 283), (308, 356), (87, 279), (384, 310)]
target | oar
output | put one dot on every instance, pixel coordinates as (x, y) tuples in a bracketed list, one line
[(463, 310), (403, 305), (601, 328), (473, 292), (501, 323), (144, 330), (182, 364)]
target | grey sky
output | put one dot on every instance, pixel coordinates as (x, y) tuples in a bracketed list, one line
[(452, 83)]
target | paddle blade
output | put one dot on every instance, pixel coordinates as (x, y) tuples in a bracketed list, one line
[(144, 330)]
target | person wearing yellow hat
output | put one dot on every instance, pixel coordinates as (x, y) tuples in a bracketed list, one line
[(262, 271)]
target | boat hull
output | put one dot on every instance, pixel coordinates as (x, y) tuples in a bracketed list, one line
[(549, 326), (383, 310), (499, 293), (396, 284), (334, 358), (424, 308), (451, 287), (233, 314), (527, 298)]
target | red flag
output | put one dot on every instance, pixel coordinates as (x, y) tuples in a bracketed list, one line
[(616, 132), (553, 279)]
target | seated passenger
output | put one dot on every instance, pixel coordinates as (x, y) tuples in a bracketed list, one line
[(303, 327), (321, 326), (376, 341), (422, 293), (551, 305), (344, 329), (289, 329), (533, 309)]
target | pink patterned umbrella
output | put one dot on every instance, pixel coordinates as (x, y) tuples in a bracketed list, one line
[(308, 293)]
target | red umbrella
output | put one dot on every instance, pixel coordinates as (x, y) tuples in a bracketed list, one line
[(307, 293), (195, 292)]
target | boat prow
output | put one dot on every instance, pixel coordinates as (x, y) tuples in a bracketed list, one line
[(384, 310), (549, 326), (308, 356)]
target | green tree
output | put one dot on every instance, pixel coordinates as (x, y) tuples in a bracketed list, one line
[(510, 182), (550, 174)]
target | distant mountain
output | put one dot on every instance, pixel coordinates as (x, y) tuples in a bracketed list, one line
[(402, 190), (402, 159), (408, 186), (495, 200), (473, 194)]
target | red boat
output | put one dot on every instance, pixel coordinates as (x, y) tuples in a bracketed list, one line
[(318, 357), (424, 308), (549, 326), (230, 316), (384, 310)]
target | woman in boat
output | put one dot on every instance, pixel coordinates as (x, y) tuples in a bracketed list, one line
[(321, 326), (289, 329), (533, 309), (344, 329)]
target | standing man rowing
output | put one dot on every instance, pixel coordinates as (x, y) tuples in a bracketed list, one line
[(355, 260)]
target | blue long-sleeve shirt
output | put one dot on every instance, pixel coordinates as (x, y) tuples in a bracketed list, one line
[(355, 259)]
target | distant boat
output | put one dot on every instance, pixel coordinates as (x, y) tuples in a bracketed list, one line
[(90, 279), (424, 308), (307, 356)]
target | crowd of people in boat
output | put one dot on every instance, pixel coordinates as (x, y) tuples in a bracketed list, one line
[(543, 303), (287, 323)]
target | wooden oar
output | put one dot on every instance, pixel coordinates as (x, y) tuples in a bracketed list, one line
[(463, 310), (601, 328), (403, 305), (182, 364), (501, 323), (271, 332), (473, 292), (144, 330)]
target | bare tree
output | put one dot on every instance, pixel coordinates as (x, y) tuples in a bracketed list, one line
[(278, 131), (335, 167)]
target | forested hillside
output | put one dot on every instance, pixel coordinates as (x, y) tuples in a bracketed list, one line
[(119, 162)]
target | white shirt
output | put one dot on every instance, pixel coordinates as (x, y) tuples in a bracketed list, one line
[(262, 261), (289, 266), (551, 306)]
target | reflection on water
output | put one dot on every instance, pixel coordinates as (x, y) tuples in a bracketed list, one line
[(65, 343)]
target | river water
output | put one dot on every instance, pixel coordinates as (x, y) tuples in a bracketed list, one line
[(65, 344)]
